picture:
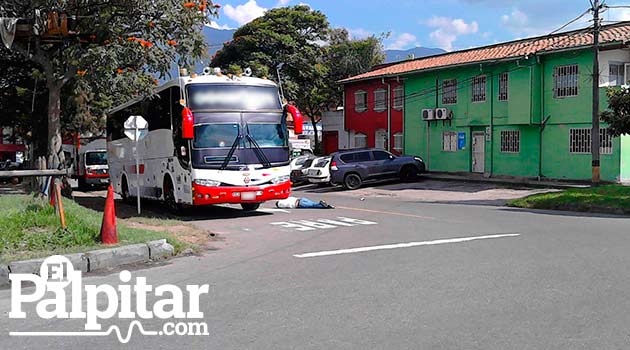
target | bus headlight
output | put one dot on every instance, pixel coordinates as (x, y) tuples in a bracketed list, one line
[(207, 183), (280, 179)]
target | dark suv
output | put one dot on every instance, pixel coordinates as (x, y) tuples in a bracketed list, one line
[(351, 168)]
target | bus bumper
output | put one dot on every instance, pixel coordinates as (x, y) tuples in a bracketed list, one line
[(203, 195)]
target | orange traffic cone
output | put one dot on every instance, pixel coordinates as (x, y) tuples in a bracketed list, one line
[(108, 227), (51, 192)]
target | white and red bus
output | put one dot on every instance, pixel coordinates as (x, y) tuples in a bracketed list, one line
[(212, 139), (86, 160)]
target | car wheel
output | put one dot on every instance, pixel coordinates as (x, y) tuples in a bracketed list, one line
[(352, 181), (408, 174), (250, 206)]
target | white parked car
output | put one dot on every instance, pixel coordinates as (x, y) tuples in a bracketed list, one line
[(319, 172)]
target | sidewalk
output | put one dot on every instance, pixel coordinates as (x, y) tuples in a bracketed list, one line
[(468, 177)]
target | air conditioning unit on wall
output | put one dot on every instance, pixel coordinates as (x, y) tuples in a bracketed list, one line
[(443, 114), (427, 114)]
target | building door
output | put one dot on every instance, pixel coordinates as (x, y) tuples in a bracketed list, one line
[(478, 152), (331, 141), (380, 139)]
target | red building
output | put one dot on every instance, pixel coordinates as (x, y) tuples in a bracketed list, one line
[(373, 109)]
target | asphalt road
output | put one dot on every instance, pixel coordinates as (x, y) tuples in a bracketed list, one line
[(341, 279)]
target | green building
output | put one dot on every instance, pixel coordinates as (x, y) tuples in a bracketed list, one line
[(518, 109)]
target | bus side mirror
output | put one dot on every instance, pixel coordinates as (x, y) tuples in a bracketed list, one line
[(298, 121), (187, 124)]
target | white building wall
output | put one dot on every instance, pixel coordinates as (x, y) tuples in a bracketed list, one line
[(333, 121), (605, 57)]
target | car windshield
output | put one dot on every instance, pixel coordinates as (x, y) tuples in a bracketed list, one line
[(215, 135), (308, 163), (96, 158), (321, 163), (233, 97), (267, 134)]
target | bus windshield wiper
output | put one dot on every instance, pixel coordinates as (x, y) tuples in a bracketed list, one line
[(227, 159), (259, 152)]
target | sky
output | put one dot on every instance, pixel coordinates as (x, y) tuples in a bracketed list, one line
[(447, 24)]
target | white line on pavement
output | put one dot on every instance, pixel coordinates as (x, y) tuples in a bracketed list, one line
[(402, 245)]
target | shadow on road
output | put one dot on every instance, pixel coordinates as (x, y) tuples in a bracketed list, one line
[(156, 209)]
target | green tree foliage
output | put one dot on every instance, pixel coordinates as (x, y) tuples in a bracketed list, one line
[(618, 114), (314, 56), (106, 52)]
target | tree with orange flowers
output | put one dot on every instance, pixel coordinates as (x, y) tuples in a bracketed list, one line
[(104, 52)]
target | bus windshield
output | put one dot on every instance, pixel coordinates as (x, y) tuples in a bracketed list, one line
[(96, 158), (215, 135), (267, 134), (233, 97)]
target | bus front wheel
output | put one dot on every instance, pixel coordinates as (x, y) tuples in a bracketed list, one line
[(250, 206)]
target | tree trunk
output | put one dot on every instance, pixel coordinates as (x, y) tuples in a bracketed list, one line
[(55, 152)]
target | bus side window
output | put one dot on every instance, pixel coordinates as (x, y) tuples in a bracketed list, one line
[(159, 111)]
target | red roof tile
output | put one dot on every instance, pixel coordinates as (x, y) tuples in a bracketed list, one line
[(619, 32)]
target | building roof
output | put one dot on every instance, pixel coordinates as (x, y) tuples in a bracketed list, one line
[(614, 33)]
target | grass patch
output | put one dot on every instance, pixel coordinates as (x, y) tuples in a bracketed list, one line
[(29, 228), (614, 199)]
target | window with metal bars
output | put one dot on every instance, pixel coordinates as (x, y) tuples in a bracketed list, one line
[(360, 141), (580, 141), (503, 86), (565, 81), (380, 100), (449, 91), (616, 73), (360, 101), (510, 141), (449, 141), (479, 88), (398, 97), (398, 141)]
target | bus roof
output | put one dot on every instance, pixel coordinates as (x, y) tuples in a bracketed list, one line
[(201, 79)]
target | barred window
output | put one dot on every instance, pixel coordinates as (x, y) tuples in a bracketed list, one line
[(449, 141), (510, 141), (360, 101), (503, 86), (565, 81), (616, 74), (380, 100), (398, 141), (479, 88), (449, 91), (360, 141), (580, 141), (398, 97)]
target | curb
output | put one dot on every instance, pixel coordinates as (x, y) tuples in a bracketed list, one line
[(96, 260), (505, 181)]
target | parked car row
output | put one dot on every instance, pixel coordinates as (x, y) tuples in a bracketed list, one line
[(352, 168)]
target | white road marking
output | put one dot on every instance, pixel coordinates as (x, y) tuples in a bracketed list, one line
[(274, 210), (402, 245), (322, 224)]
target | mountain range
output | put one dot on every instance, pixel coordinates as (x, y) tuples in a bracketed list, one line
[(216, 37)]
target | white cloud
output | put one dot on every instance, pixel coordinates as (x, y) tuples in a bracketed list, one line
[(244, 13), (282, 3), (618, 14), (216, 25), (448, 29), (403, 41), (517, 18), (358, 33)]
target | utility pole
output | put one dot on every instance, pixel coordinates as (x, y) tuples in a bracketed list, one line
[(595, 128)]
